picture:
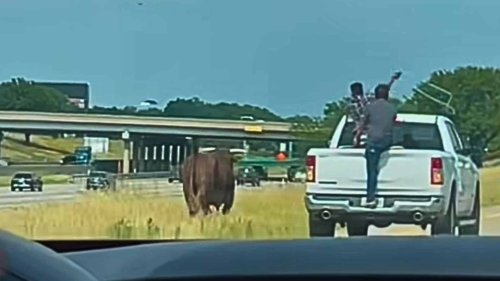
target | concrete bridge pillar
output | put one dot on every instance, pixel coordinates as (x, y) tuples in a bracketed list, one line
[(290, 149), (169, 153), (175, 156), (148, 157), (186, 152), (135, 155), (1, 139), (164, 157), (158, 160), (126, 153), (152, 160), (145, 157), (158, 157), (138, 155), (181, 149)]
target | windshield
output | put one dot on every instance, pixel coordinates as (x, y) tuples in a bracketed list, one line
[(22, 175), (194, 119), (405, 134), (97, 175)]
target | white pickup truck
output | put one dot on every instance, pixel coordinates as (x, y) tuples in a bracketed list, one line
[(426, 178)]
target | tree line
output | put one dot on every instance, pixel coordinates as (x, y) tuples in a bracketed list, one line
[(476, 102)]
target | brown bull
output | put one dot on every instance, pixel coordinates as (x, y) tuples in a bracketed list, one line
[(208, 180)]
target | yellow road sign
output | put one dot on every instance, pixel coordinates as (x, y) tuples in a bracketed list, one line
[(253, 129)]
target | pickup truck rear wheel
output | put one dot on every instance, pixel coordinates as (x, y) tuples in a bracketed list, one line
[(473, 229), (447, 223), (357, 228), (321, 228)]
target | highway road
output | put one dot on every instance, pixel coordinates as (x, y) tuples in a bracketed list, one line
[(10, 199), (70, 192), (155, 187)]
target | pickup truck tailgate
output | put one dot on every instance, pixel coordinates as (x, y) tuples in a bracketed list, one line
[(401, 170)]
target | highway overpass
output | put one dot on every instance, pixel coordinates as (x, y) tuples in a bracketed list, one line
[(150, 143), (115, 125)]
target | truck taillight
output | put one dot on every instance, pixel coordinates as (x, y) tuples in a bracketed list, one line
[(311, 168), (436, 171)]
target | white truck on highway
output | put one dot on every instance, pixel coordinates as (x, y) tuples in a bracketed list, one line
[(426, 178)]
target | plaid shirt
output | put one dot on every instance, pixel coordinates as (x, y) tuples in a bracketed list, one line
[(356, 108)]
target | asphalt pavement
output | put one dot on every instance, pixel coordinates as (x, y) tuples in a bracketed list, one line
[(490, 221), (72, 191)]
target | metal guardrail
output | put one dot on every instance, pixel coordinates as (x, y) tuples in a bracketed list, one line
[(147, 175), (131, 176), (44, 169)]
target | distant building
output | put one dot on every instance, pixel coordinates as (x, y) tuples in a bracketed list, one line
[(77, 93)]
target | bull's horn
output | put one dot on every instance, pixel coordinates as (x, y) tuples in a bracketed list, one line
[(237, 151), (206, 149)]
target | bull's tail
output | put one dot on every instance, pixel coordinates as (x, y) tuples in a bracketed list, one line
[(205, 192), (189, 185)]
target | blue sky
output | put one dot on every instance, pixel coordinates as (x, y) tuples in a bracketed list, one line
[(291, 56)]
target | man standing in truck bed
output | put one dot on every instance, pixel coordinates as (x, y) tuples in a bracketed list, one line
[(378, 121)]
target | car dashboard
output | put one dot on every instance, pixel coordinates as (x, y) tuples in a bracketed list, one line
[(371, 258)]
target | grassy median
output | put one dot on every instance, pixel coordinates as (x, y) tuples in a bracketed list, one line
[(260, 214), (49, 149)]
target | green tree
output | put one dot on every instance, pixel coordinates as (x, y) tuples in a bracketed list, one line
[(196, 108), (20, 94), (476, 100)]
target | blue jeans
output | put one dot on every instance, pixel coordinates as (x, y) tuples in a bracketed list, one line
[(372, 154)]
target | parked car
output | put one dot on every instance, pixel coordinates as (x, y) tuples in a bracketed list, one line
[(26, 180)]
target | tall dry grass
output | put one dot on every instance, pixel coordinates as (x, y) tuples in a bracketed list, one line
[(260, 214), (274, 213)]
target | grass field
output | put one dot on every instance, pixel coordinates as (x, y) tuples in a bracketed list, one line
[(267, 214), (257, 214), (490, 180), (48, 149)]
